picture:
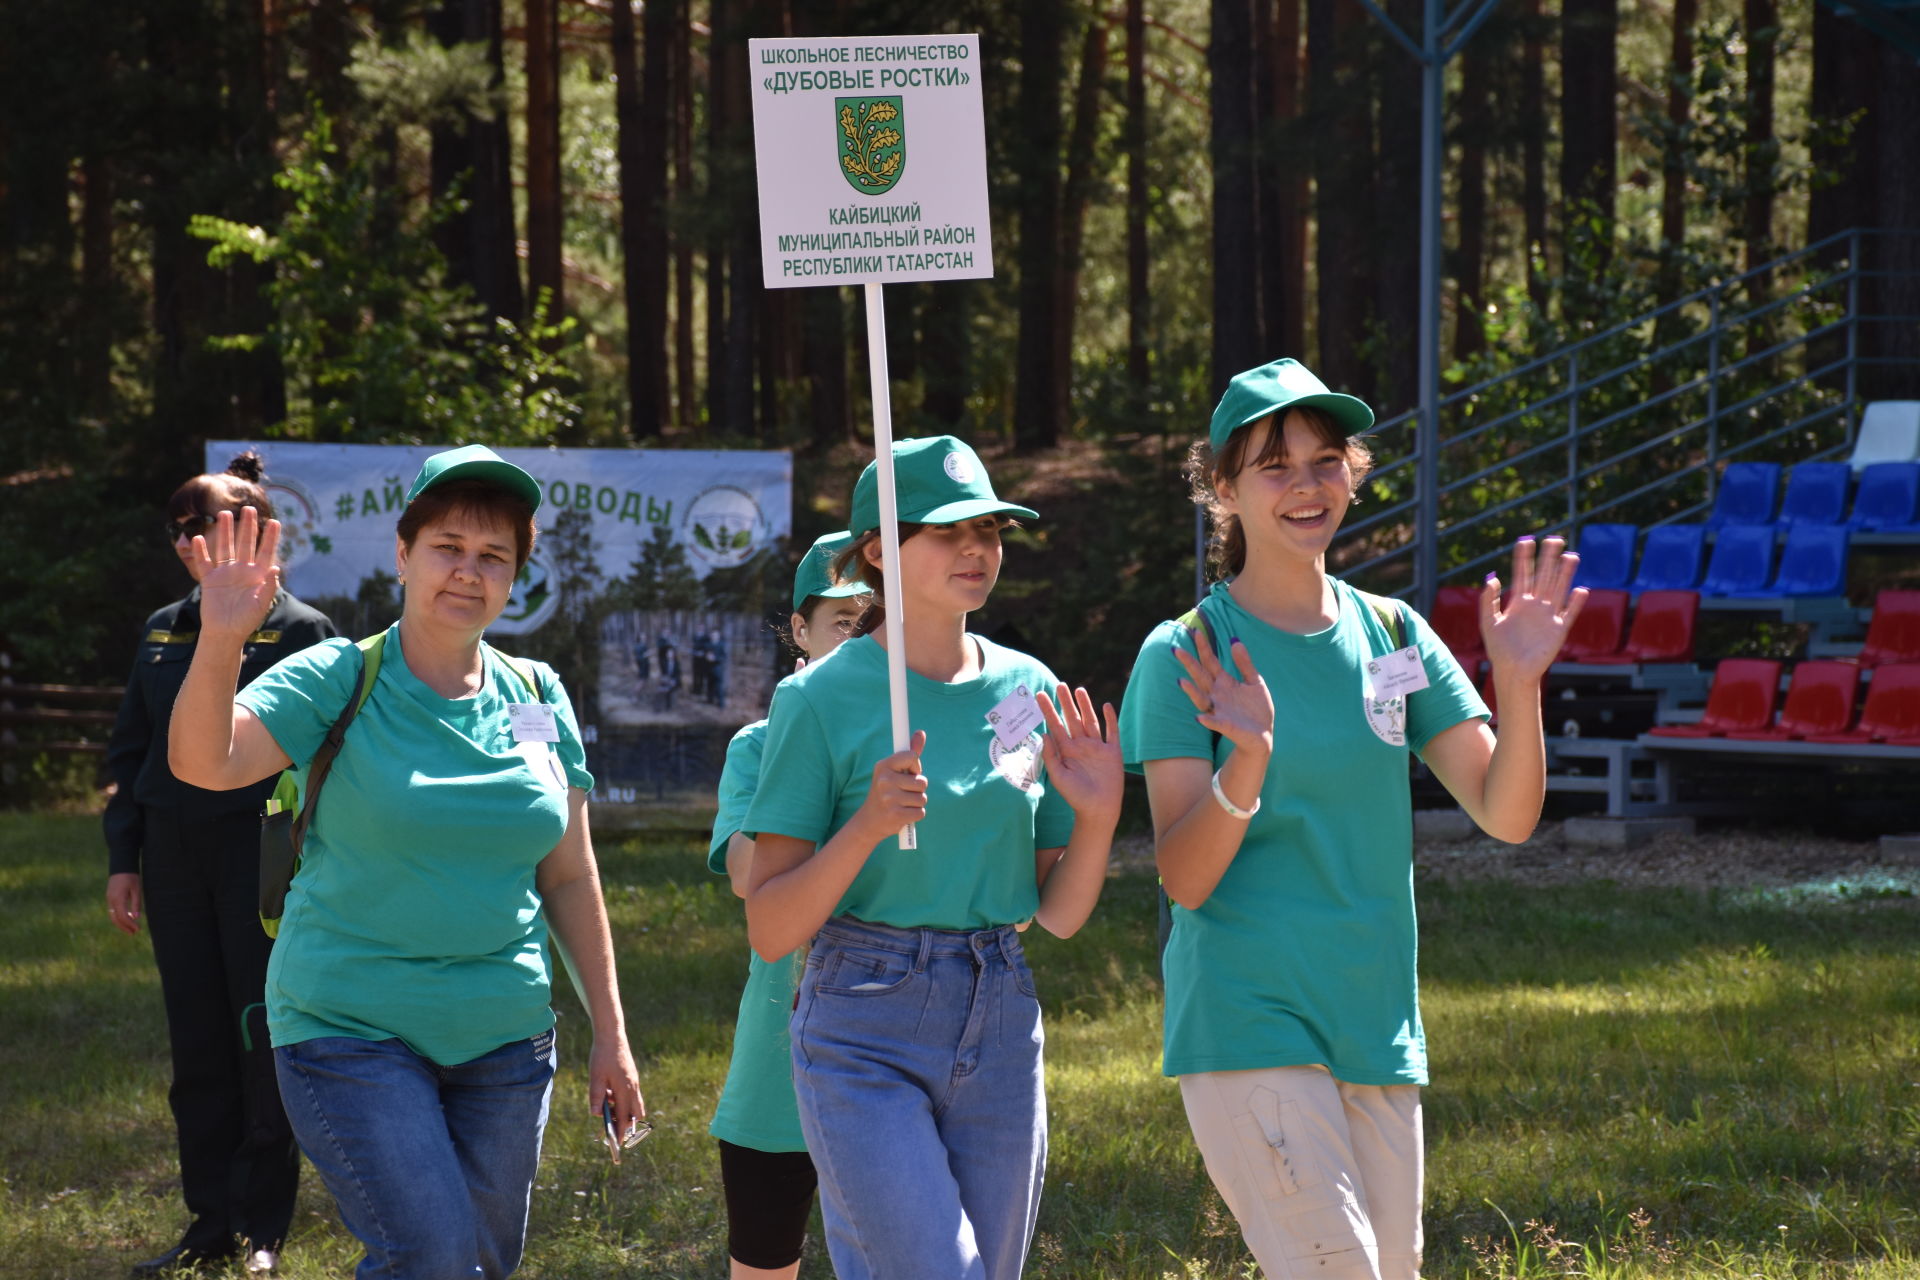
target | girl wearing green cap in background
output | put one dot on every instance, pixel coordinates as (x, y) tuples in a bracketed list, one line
[(764, 1167), (1273, 724), (409, 992), (916, 1033)]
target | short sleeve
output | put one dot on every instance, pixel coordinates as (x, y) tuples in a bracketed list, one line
[(738, 780), (1449, 697), (573, 754), (1157, 719), (299, 697), (798, 759)]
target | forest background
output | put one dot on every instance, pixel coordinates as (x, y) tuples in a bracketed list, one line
[(531, 222)]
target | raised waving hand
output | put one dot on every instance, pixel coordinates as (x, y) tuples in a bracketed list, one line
[(239, 572), (1524, 636), (1233, 703), (1083, 762)]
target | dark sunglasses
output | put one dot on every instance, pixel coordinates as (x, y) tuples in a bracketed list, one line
[(187, 526)]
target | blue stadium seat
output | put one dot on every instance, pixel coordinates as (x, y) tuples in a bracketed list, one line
[(1746, 494), (1816, 494), (1814, 562), (1889, 498), (1742, 563), (1606, 555), (1671, 559)]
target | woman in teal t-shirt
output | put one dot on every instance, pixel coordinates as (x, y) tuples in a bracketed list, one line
[(765, 1171), (1283, 829), (916, 1034), (408, 995)]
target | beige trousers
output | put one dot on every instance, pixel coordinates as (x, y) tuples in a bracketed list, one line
[(1324, 1177)]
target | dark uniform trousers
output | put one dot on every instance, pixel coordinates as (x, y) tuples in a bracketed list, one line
[(239, 1167), (198, 856)]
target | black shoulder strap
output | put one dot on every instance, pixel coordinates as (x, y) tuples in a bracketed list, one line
[(322, 762)]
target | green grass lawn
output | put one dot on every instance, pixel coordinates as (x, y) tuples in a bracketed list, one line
[(1629, 1083)]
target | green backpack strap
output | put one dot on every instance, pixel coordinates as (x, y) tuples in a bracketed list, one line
[(1392, 615), (521, 668), (321, 765)]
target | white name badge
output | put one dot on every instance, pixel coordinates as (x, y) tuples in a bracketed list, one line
[(532, 722), (1398, 672), (1016, 716)]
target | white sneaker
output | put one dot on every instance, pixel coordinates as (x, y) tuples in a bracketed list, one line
[(262, 1262)]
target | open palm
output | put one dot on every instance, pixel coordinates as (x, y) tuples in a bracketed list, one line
[(1083, 763), (1524, 636), (239, 573)]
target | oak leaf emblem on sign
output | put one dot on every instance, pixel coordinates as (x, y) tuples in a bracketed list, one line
[(873, 143)]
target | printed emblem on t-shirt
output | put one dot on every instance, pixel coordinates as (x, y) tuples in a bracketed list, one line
[(544, 763), (1387, 717), (1018, 764)]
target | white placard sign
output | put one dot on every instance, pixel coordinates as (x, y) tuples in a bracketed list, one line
[(872, 159)]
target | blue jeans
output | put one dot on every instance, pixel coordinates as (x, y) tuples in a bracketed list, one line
[(432, 1166), (917, 1063)]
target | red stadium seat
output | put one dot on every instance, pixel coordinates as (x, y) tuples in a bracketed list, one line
[(1456, 620), (1600, 629), (1819, 701), (1662, 631), (1743, 696), (1892, 713), (1894, 633)]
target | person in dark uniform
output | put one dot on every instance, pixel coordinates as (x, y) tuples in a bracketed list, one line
[(189, 860)]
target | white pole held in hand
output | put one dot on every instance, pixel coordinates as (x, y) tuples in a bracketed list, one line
[(889, 528)]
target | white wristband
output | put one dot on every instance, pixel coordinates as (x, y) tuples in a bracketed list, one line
[(1233, 810)]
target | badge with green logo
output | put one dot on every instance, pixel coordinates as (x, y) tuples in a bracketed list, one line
[(873, 143)]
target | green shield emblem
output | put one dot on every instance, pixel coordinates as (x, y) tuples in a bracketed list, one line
[(873, 143)]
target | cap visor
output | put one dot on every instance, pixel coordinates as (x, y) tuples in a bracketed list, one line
[(954, 512)]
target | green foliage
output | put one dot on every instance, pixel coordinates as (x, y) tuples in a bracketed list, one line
[(378, 348)]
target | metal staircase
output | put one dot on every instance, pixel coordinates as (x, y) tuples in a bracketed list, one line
[(1635, 422)]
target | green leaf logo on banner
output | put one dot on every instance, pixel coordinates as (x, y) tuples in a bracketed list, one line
[(873, 143)]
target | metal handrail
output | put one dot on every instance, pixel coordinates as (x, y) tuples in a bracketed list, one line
[(1702, 361)]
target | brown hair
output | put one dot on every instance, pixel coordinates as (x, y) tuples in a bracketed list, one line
[(230, 490), (475, 499), (1227, 549), (852, 565)]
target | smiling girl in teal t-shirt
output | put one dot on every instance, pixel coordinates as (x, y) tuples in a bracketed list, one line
[(1283, 831)]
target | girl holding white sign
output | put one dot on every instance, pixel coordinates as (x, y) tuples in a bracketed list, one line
[(1283, 830), (916, 1034)]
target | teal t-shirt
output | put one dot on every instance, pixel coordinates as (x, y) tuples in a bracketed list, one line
[(757, 1107), (988, 806), (1306, 951), (414, 915)]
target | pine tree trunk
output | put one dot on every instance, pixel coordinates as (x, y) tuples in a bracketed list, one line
[(1238, 342), (686, 389), (1286, 160), (1846, 77), (1139, 303), (477, 241), (1340, 102), (1762, 149), (1036, 419), (719, 23), (544, 271), (1469, 334), (1533, 152), (97, 287), (1673, 170), (1396, 219), (1078, 190), (1898, 164), (1588, 117)]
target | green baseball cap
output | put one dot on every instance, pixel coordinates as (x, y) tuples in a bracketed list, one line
[(938, 480), (1276, 387), (475, 462), (814, 577)]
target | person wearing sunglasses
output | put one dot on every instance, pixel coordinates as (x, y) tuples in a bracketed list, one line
[(447, 865), (188, 861)]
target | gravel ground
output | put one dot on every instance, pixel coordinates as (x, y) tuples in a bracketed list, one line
[(1716, 857)]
